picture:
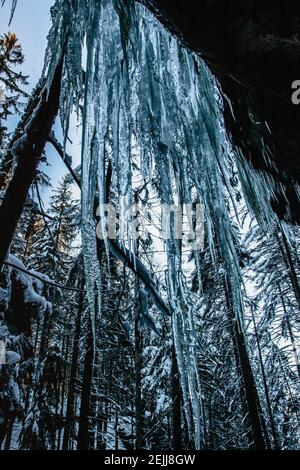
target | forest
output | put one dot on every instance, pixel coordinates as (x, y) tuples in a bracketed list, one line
[(150, 298)]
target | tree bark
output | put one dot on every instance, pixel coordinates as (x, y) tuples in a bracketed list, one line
[(73, 372), (28, 150), (258, 430), (84, 418), (254, 408), (45, 333), (176, 404), (265, 382), (9, 433), (138, 370)]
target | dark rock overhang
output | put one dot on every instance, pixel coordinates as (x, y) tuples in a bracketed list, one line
[(253, 47)]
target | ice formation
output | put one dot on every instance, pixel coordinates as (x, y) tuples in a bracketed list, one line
[(140, 85)]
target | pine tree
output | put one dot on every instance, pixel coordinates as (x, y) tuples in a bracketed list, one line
[(53, 245), (275, 311), (50, 251), (11, 82)]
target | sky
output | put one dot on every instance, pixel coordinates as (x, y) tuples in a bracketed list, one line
[(31, 24)]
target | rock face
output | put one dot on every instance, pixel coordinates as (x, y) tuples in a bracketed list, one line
[(253, 47)]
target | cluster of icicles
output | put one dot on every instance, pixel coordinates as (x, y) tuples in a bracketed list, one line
[(141, 85)]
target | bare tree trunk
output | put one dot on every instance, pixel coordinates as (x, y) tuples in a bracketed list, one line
[(28, 150), (260, 437), (116, 431), (64, 386), (45, 333), (138, 370), (7, 443), (258, 429), (73, 373), (176, 404), (85, 407), (267, 393)]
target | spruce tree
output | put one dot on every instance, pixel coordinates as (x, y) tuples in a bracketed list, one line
[(11, 81)]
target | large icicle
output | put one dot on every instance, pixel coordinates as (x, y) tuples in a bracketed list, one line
[(90, 153), (143, 86)]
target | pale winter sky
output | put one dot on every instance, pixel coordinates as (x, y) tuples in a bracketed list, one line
[(31, 24)]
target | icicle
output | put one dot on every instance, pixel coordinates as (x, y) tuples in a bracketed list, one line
[(143, 87), (90, 152)]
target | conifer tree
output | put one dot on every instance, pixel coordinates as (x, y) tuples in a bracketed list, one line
[(11, 81)]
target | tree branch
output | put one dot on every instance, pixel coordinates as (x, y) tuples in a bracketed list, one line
[(41, 279), (66, 158), (120, 252), (27, 150)]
